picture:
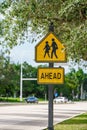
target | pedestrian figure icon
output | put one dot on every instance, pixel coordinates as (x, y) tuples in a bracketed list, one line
[(46, 48), (54, 48)]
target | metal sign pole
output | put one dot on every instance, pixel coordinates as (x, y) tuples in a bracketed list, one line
[(50, 104), (50, 92)]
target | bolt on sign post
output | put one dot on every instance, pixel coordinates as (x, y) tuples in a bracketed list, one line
[(50, 50)]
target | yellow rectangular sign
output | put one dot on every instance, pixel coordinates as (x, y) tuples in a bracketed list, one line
[(51, 75)]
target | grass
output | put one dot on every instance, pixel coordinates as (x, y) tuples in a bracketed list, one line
[(9, 99), (76, 123)]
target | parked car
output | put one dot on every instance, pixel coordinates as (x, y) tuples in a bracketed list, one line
[(60, 100), (31, 99)]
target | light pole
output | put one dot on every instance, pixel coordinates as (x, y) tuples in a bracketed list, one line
[(21, 84)]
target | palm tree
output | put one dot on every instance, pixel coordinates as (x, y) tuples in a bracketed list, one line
[(72, 81)]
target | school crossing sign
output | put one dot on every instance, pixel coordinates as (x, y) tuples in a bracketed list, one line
[(51, 75), (50, 49)]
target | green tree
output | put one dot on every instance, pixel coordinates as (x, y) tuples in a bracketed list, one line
[(75, 80), (81, 77), (72, 82), (9, 81), (69, 18), (85, 86), (2, 61)]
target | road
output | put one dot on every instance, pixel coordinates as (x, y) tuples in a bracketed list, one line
[(35, 116)]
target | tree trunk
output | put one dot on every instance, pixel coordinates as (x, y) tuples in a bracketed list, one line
[(73, 94), (81, 97)]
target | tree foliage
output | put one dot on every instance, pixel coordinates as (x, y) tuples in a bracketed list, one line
[(72, 80), (10, 80), (9, 77), (69, 18)]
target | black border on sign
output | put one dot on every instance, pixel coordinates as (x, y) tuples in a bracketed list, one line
[(41, 61), (48, 82)]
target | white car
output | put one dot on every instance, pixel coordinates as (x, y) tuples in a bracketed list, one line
[(60, 100)]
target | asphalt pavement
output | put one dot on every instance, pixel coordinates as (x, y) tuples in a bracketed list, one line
[(35, 116)]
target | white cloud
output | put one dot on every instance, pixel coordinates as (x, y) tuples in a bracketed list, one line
[(24, 52)]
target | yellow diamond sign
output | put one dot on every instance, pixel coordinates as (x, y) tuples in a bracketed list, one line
[(50, 49), (50, 75)]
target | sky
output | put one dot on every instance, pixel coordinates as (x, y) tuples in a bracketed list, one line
[(1, 0), (24, 52)]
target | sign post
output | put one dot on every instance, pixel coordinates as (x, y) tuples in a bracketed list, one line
[(50, 103), (50, 93), (50, 50)]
